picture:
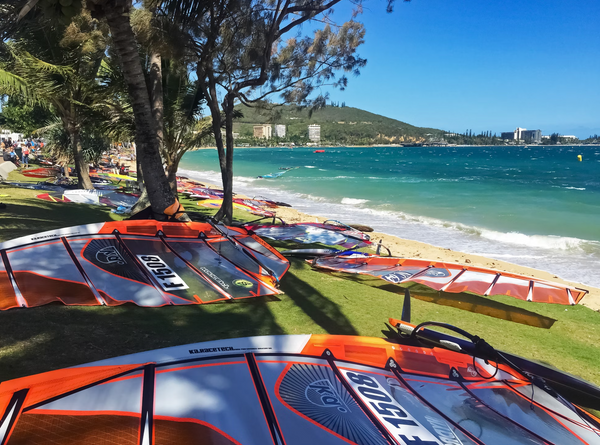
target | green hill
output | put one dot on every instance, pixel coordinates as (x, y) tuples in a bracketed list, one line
[(339, 125)]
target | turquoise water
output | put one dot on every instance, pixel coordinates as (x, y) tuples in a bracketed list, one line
[(536, 206)]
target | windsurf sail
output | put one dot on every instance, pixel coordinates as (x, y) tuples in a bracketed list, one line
[(277, 174), (5, 169), (43, 172), (148, 263), (312, 233), (118, 177), (238, 204), (37, 186), (452, 278), (290, 390), (108, 197)]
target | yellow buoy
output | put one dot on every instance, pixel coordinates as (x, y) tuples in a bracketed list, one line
[(580, 158)]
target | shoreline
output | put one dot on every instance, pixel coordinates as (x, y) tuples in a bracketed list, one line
[(400, 146), (416, 249)]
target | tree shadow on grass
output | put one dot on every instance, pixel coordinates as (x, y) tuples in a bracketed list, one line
[(465, 301), (55, 336), (318, 307), (36, 215)]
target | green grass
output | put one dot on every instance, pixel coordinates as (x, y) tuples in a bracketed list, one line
[(55, 336)]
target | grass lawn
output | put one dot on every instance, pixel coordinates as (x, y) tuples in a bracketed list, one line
[(56, 336)]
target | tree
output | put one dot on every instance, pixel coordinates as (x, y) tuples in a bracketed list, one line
[(116, 13), (242, 57), (183, 127), (61, 75), (22, 118)]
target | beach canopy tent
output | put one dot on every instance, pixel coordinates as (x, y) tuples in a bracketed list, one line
[(449, 277), (327, 233), (148, 263), (290, 390)]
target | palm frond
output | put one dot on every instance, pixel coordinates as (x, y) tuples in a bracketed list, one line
[(34, 63), (14, 85)]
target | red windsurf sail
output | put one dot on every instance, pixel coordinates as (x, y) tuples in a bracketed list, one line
[(290, 390), (143, 262), (454, 278)]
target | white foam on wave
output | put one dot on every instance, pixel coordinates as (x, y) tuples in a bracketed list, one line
[(309, 166), (571, 258), (312, 197), (354, 201), (539, 241), (568, 188)]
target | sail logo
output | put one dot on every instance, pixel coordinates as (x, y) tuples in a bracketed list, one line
[(215, 277), (110, 255), (162, 273), (397, 277), (402, 425), (322, 393), (437, 273)]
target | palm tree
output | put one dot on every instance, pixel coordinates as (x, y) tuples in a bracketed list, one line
[(183, 128), (116, 15), (61, 76)]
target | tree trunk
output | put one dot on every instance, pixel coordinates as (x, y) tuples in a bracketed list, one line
[(82, 168), (146, 137), (225, 213), (143, 201), (156, 93), (172, 174), (227, 174)]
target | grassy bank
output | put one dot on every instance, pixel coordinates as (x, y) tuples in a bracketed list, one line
[(55, 336)]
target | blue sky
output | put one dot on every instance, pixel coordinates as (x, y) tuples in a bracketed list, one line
[(481, 65)]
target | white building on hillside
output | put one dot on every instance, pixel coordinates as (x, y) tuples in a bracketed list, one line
[(279, 131), (314, 133)]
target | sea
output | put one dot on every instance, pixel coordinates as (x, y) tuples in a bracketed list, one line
[(533, 206)]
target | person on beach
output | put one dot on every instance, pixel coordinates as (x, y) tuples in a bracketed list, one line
[(13, 157), (26, 156)]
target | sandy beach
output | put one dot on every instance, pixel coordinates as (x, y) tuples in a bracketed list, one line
[(415, 249)]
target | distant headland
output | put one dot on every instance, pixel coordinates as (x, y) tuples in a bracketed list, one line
[(340, 125)]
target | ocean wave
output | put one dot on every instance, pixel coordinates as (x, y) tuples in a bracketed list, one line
[(551, 242), (354, 201), (539, 241), (344, 177), (311, 197), (571, 258), (568, 188), (309, 166)]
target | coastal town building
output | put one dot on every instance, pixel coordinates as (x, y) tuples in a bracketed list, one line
[(314, 133), (223, 134), (263, 131), (522, 134), (279, 131)]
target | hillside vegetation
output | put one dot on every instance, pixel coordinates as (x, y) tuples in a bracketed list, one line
[(339, 125)]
